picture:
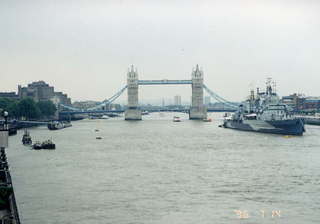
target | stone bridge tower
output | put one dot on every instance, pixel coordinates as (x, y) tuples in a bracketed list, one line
[(198, 111), (133, 112)]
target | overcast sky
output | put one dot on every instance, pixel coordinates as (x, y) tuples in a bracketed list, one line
[(84, 48)]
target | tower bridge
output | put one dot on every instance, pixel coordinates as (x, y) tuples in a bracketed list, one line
[(197, 111)]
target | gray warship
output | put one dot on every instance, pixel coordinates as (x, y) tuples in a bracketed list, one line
[(265, 113)]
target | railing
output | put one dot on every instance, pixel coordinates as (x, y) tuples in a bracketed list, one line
[(164, 82)]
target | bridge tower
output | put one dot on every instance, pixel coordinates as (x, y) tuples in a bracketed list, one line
[(133, 112), (198, 111)]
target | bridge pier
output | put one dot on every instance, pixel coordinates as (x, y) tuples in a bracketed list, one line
[(198, 110), (133, 111)]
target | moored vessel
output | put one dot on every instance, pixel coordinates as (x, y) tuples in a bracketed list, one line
[(56, 125), (176, 119), (265, 113)]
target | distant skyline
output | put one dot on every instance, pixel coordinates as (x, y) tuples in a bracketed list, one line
[(84, 47)]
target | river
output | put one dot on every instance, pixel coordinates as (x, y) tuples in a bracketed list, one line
[(158, 171)]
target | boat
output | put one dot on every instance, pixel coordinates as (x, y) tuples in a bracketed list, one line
[(26, 138), (48, 144), (207, 120), (98, 116), (145, 112), (176, 119), (98, 137), (265, 113), (112, 115), (93, 117), (37, 145), (66, 124), (56, 125)]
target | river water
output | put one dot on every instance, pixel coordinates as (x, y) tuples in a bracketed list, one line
[(159, 171)]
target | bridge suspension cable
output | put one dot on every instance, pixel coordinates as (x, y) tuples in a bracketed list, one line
[(110, 100), (153, 82), (219, 98)]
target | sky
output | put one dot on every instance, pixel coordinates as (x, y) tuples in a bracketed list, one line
[(84, 47)]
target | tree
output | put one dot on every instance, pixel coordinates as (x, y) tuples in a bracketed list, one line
[(13, 109), (28, 109), (47, 108), (9, 105), (5, 102)]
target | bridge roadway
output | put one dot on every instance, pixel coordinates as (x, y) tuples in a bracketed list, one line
[(150, 111), (164, 82)]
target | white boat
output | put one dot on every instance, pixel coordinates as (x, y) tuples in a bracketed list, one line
[(176, 119)]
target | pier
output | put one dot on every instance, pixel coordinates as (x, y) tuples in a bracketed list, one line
[(8, 206)]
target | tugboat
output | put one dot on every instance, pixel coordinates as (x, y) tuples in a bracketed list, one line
[(48, 144), (265, 113), (26, 138)]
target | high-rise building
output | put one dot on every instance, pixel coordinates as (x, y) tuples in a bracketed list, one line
[(177, 100), (207, 100)]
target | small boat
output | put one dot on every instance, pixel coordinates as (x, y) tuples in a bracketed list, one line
[(96, 130), (48, 144), (37, 145), (207, 120), (113, 115), (176, 119), (66, 124), (145, 112), (26, 138), (56, 125), (98, 137)]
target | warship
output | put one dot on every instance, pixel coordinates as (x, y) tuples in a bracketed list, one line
[(265, 113)]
